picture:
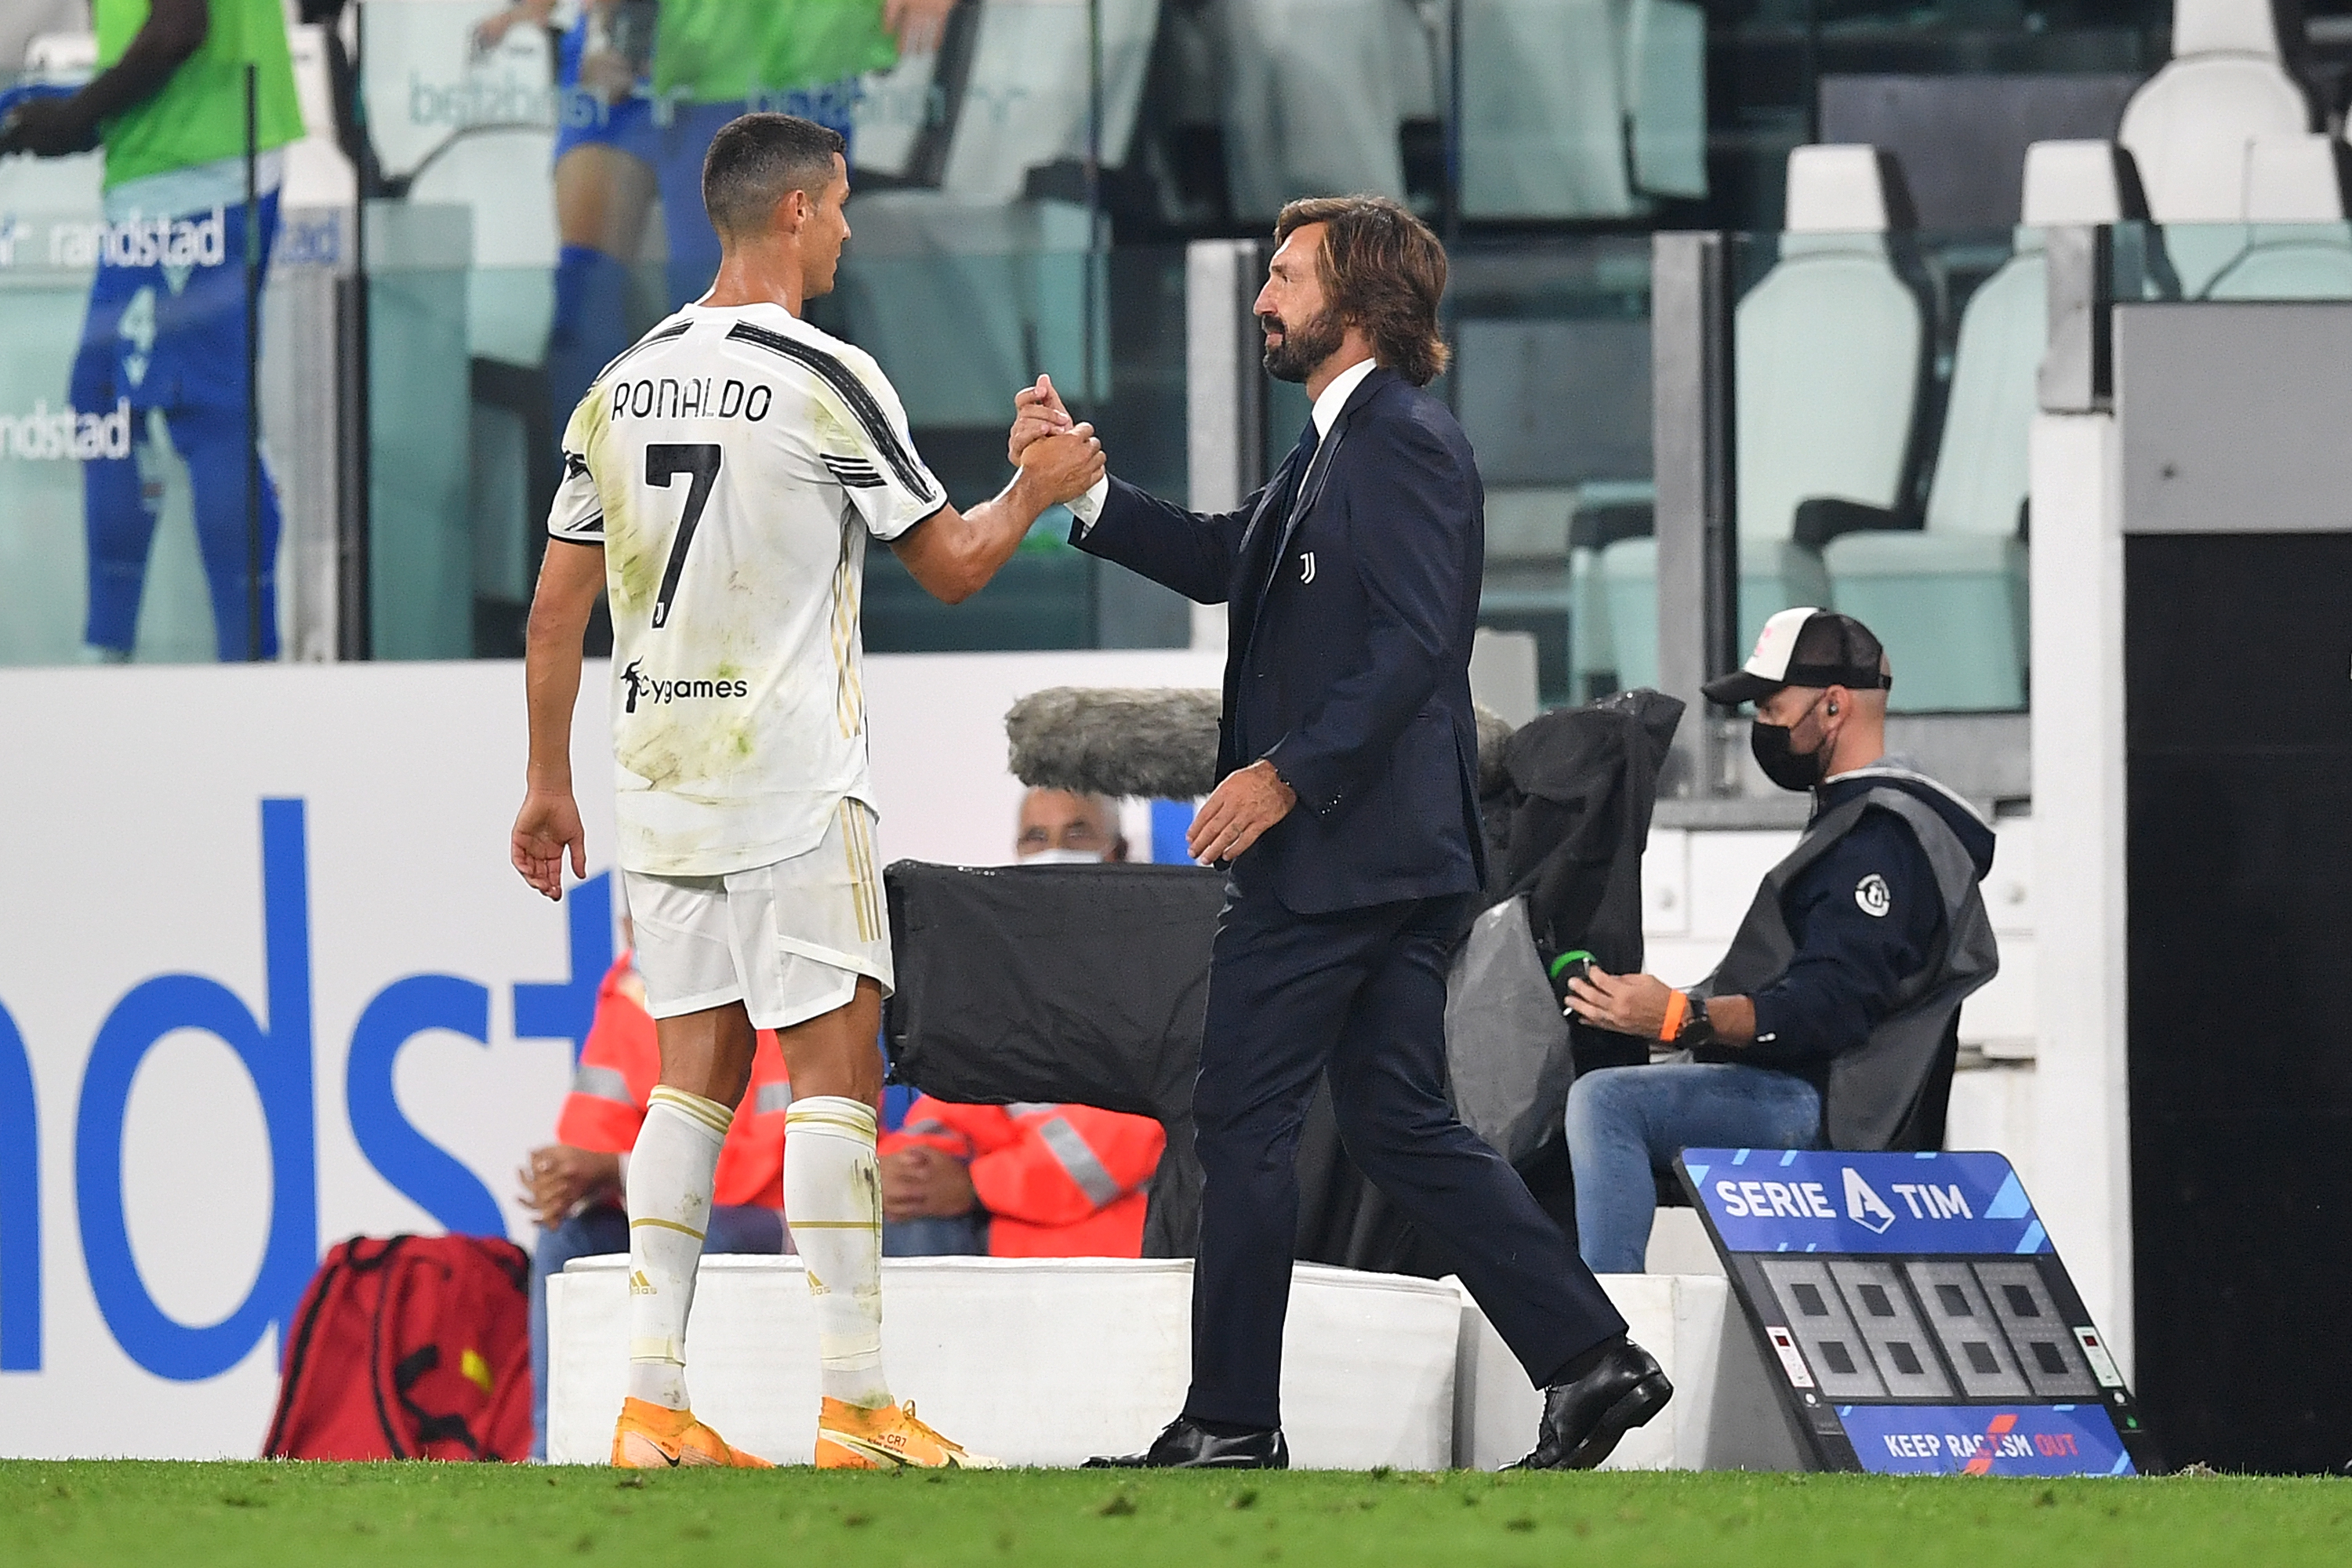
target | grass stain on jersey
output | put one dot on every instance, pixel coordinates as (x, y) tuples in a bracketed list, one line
[(631, 561)]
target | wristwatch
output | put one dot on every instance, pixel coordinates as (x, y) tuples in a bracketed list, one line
[(1695, 1029)]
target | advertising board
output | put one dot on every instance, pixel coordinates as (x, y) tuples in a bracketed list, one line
[(267, 981), (1918, 1316)]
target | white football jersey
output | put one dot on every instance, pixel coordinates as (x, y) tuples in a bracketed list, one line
[(732, 464)]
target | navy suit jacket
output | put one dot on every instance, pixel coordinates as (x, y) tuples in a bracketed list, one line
[(1350, 620)]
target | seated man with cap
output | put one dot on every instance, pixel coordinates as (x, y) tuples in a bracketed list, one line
[(1834, 1018)]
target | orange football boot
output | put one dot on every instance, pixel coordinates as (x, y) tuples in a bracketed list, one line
[(651, 1437), (853, 1438)]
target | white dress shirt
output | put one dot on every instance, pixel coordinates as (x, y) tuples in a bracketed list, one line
[(1088, 506)]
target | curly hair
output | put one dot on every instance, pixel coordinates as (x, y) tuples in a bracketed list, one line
[(1383, 270)]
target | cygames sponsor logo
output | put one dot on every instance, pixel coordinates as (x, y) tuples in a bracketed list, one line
[(653, 689)]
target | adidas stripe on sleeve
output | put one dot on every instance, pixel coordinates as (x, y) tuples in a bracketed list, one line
[(864, 443), (578, 513)]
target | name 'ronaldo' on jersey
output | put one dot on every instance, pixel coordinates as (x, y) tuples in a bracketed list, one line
[(733, 465)]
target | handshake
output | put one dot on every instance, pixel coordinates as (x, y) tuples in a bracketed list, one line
[(1059, 460)]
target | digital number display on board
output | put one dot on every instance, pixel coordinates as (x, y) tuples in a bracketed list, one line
[(1918, 1318)]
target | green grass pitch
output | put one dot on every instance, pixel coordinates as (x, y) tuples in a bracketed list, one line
[(84, 1515)]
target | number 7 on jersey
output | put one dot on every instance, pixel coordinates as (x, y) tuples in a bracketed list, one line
[(665, 460)]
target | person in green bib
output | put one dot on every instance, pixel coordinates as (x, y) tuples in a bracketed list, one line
[(167, 326), (716, 59)]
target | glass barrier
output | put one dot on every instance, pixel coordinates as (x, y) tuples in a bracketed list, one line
[(1577, 110), (529, 201), (1885, 392), (138, 519), (467, 419), (1550, 379), (1552, 382), (2242, 262), (542, 210)]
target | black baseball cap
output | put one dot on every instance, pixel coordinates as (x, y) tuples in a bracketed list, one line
[(1805, 647)]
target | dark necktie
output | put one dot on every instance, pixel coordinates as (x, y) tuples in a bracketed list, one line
[(1302, 458)]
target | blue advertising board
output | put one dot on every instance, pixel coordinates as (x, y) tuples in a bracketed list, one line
[(1919, 1317)]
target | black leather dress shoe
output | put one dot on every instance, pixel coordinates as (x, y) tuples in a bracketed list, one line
[(1185, 1445), (1583, 1420)]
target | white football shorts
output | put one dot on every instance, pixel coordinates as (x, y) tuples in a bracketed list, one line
[(788, 940)]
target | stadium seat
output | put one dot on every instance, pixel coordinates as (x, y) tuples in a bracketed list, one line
[(1829, 351), (1544, 136), (2188, 125), (965, 302), (1948, 599), (58, 185), (1025, 100), (1525, 588), (1606, 512), (1584, 108), (893, 108), (1312, 100), (979, 287), (500, 174), (61, 57), (2298, 246), (1665, 97), (423, 83), (318, 175)]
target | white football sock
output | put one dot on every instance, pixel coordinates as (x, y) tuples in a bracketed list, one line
[(669, 1181), (832, 1201)]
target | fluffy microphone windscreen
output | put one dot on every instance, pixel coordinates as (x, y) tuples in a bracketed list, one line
[(1494, 736), (1158, 742)]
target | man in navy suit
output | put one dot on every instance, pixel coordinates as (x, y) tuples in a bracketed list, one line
[(1346, 816)]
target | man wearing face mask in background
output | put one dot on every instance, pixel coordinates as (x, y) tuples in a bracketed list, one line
[(1024, 1180), (1834, 1018), (1061, 829)]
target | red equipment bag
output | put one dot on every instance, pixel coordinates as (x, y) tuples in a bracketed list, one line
[(417, 1347)]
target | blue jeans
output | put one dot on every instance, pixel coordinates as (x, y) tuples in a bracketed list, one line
[(1624, 1123), (734, 1227), (964, 1236)]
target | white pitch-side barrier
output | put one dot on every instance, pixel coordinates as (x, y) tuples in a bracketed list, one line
[(1047, 1362), (1724, 1415)]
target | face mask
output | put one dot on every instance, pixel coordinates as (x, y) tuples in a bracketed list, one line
[(1062, 857), (1783, 767)]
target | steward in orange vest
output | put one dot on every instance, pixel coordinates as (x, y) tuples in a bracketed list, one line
[(1055, 1181)]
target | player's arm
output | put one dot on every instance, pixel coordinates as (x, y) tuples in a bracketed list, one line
[(1191, 552), (51, 127), (918, 25), (549, 823), (954, 554)]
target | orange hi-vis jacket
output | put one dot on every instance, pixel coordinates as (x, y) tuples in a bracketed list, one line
[(1057, 1181), (620, 1063)]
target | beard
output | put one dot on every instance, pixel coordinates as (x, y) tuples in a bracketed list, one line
[(1302, 347)]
